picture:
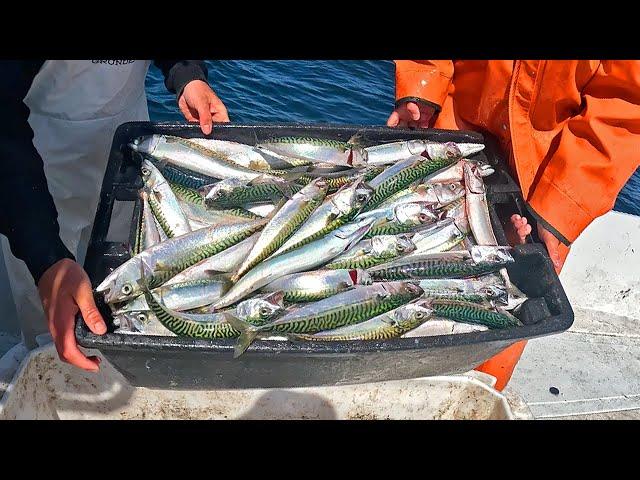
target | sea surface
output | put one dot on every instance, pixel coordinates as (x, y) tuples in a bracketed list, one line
[(315, 91)]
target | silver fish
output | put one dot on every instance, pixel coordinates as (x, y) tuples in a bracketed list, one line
[(477, 207), (336, 210), (141, 322), (226, 261), (165, 260), (317, 284), (163, 202), (457, 210), (441, 326), (390, 153), (455, 173), (182, 296), (305, 258), (437, 195), (486, 288), (318, 150), (182, 153), (245, 155), (374, 251), (399, 219), (387, 325), (149, 234), (283, 223), (439, 237)]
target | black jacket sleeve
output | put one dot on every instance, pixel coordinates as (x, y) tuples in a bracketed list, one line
[(28, 216), (177, 73)]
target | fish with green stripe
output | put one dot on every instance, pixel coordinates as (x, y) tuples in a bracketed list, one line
[(307, 257), (390, 153), (163, 202), (192, 156), (404, 173), (165, 260), (373, 251), (467, 312), (483, 289), (353, 306), (388, 325), (212, 325), (317, 284), (318, 150), (402, 218), (191, 196), (232, 192), (337, 210), (283, 223), (455, 264), (339, 180)]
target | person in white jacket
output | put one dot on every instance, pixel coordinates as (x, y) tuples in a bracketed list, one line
[(57, 121)]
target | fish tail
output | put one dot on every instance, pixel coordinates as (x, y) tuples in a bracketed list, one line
[(248, 334)]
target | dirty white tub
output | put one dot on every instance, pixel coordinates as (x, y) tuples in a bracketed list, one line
[(45, 388)]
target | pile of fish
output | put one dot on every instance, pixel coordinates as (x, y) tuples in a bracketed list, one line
[(311, 239)]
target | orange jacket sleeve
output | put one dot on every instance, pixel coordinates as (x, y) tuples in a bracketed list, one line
[(423, 79), (598, 150)]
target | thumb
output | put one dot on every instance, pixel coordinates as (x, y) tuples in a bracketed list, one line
[(204, 116), (87, 306), (393, 119), (414, 110)]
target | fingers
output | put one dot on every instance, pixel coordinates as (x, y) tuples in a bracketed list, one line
[(393, 119), (521, 226), (87, 306), (186, 111), (68, 348)]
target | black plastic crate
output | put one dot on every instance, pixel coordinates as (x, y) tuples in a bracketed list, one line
[(185, 363)]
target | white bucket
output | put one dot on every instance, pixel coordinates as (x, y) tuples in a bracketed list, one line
[(46, 388)]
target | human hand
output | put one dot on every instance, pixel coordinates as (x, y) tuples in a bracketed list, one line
[(198, 103), (522, 228), (410, 114), (64, 289)]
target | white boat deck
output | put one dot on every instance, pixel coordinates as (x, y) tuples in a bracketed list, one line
[(595, 365)]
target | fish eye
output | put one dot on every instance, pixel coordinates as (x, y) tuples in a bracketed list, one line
[(145, 171), (423, 217), (361, 197), (419, 315), (264, 312), (400, 247), (142, 317), (127, 289), (453, 186)]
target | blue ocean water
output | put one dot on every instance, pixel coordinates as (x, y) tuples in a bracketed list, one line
[(317, 91)]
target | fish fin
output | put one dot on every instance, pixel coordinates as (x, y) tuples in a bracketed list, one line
[(248, 333)]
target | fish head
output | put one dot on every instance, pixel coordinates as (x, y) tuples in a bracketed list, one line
[(261, 308), (491, 254), (412, 289), (391, 245), (468, 149), (495, 292), (448, 151), (150, 174), (146, 144), (484, 168), (414, 213), (352, 233), (472, 179), (449, 192), (223, 187), (352, 197), (124, 282), (139, 319), (414, 313)]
